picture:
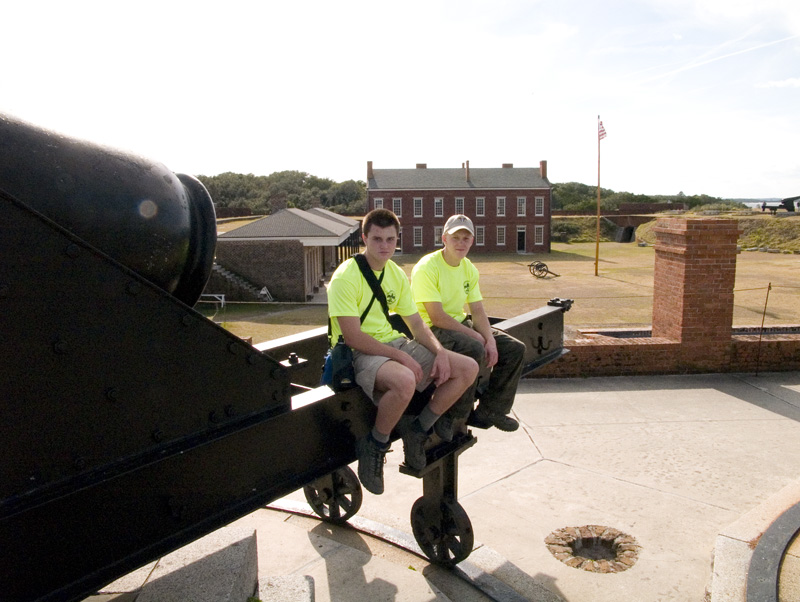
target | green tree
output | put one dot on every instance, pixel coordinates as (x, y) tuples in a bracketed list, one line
[(298, 188), (236, 190), (345, 193), (573, 196)]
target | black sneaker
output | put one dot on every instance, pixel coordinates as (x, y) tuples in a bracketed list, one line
[(479, 419), (485, 420), (504, 423), (414, 439), (371, 457), (444, 427)]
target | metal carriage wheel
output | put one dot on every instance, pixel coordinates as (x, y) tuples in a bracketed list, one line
[(538, 269), (336, 496), (444, 533)]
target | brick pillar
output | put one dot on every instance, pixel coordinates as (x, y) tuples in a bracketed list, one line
[(695, 270)]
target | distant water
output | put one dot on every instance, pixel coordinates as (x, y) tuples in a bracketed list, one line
[(757, 204)]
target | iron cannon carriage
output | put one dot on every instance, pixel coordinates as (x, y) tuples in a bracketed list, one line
[(134, 425), (539, 269)]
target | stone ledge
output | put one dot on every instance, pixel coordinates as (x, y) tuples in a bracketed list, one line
[(734, 547)]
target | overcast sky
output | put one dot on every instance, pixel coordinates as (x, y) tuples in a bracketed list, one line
[(698, 96)]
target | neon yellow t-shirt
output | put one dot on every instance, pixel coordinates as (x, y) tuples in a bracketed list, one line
[(349, 294), (434, 280)]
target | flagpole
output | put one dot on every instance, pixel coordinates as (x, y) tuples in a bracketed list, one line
[(597, 236)]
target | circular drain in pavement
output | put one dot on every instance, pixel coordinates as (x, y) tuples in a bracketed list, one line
[(594, 548)]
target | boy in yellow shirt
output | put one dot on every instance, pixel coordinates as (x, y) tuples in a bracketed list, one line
[(442, 283)]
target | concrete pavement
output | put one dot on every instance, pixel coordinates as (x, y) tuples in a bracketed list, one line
[(669, 460)]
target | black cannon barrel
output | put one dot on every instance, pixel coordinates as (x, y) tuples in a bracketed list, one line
[(153, 221)]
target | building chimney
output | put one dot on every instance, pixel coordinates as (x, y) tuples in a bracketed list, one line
[(467, 171), (543, 169), (508, 165), (369, 170), (278, 203), (422, 165)]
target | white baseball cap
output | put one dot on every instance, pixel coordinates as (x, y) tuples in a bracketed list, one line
[(458, 222)]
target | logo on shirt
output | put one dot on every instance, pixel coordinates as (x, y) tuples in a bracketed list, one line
[(466, 287), (391, 298)]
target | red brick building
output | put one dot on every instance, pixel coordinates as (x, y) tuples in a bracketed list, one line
[(510, 206)]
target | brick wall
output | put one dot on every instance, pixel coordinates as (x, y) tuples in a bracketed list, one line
[(694, 275), (695, 269), (644, 209), (612, 216), (607, 356), (278, 265)]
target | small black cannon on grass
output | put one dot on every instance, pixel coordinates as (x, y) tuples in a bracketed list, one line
[(540, 269), (132, 425)]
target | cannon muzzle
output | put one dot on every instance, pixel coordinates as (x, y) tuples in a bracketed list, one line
[(151, 220)]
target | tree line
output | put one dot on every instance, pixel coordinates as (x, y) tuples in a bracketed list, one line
[(257, 194), (572, 196)]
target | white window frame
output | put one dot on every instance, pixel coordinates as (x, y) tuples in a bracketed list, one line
[(501, 206), (437, 236), (521, 206), (438, 207), (480, 206), (538, 235), (538, 206), (378, 203), (397, 206), (417, 206), (480, 235), (460, 205), (501, 236), (417, 236)]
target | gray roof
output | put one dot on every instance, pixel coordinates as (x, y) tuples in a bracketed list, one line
[(342, 219), (449, 178), (293, 224)]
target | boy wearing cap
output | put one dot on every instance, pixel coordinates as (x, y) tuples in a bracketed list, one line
[(444, 281), (388, 366)]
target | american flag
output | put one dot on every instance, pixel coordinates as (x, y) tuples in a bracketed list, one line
[(601, 131)]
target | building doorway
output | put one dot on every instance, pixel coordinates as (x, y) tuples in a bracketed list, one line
[(520, 239)]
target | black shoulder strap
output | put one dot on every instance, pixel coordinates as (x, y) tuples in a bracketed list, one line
[(374, 284)]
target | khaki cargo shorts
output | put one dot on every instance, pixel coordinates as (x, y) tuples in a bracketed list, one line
[(366, 366)]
